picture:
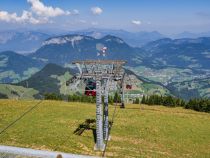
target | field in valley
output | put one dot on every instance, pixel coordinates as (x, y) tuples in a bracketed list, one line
[(138, 130)]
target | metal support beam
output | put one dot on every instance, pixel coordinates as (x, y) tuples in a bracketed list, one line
[(122, 94), (106, 112), (122, 100), (99, 118)]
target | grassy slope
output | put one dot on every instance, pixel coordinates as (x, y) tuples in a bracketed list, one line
[(51, 79), (138, 131), (19, 91)]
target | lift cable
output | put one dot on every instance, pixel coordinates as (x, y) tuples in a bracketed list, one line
[(20, 117)]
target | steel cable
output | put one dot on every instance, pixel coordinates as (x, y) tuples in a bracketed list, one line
[(20, 117)]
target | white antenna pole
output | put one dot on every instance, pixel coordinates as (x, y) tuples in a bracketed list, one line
[(79, 67)]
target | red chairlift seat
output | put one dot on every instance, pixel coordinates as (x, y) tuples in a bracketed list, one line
[(90, 93), (128, 86), (90, 89)]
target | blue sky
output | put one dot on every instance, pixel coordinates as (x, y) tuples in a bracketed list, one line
[(165, 16)]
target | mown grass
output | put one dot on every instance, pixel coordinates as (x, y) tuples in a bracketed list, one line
[(138, 130)]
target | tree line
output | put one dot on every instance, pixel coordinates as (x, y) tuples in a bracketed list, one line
[(202, 105), (81, 98)]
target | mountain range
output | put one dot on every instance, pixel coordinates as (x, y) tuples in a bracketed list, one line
[(187, 34), (52, 79), (27, 41), (21, 41), (178, 53), (64, 49), (164, 61), (184, 53), (135, 39)]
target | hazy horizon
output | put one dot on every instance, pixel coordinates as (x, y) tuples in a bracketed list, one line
[(47, 30), (166, 17)]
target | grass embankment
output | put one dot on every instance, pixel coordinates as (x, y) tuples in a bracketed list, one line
[(138, 131)]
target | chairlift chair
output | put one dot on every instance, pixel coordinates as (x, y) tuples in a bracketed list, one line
[(128, 86), (90, 89)]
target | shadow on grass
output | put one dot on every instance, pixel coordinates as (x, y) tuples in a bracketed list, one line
[(89, 124)]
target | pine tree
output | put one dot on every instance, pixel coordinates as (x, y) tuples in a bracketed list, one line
[(136, 101), (143, 101)]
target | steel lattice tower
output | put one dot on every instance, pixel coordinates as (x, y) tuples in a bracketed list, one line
[(103, 72)]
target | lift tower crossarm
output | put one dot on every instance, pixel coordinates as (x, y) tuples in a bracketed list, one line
[(90, 62)]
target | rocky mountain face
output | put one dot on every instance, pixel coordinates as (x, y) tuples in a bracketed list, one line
[(64, 49)]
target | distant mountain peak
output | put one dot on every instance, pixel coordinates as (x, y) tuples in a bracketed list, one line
[(66, 39), (52, 68), (63, 40), (110, 38)]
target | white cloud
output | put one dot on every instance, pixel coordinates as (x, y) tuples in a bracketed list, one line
[(39, 14), (47, 11), (96, 10), (26, 17), (75, 12), (136, 22)]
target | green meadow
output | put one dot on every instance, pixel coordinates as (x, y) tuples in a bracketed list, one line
[(138, 130)]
